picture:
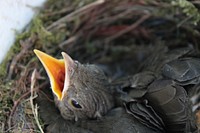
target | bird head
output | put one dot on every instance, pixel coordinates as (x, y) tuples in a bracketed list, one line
[(80, 90)]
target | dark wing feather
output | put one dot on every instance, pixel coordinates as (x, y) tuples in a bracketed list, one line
[(145, 115), (172, 104), (183, 70)]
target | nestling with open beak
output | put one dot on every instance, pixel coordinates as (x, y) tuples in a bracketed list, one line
[(82, 94), (75, 90), (155, 100)]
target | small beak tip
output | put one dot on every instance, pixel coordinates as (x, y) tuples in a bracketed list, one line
[(63, 54), (36, 51)]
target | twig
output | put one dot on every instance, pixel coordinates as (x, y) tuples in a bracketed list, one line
[(183, 21), (65, 10), (16, 103), (121, 15), (77, 12), (34, 108), (195, 2), (2, 124), (71, 40), (26, 46), (131, 27)]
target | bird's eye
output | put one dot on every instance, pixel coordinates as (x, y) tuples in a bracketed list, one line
[(75, 104)]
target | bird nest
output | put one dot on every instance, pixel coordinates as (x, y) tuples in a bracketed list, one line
[(117, 34)]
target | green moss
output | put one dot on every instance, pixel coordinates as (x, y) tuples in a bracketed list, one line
[(36, 27), (189, 9), (5, 101)]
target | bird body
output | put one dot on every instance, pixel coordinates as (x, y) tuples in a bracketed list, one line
[(117, 120), (151, 101), (166, 83)]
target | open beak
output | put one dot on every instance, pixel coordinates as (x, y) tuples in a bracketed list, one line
[(55, 69)]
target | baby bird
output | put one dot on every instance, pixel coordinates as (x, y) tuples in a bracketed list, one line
[(86, 103), (77, 88)]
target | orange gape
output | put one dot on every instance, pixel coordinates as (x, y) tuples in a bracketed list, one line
[(55, 69)]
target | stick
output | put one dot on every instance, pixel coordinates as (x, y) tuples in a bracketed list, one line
[(34, 108), (77, 12), (131, 27)]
